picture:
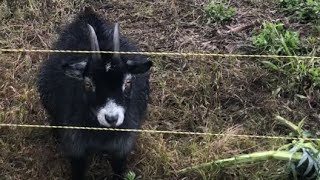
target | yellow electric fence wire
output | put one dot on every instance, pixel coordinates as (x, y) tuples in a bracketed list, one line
[(155, 131), (155, 53)]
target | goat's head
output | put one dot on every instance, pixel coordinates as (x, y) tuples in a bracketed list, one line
[(107, 80)]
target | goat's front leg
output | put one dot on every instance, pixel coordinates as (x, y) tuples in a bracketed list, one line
[(119, 167), (78, 167)]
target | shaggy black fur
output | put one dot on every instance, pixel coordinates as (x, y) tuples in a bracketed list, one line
[(63, 92)]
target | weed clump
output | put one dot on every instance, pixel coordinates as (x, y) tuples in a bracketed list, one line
[(302, 10), (219, 12), (275, 39)]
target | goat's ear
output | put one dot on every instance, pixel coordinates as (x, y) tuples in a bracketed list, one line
[(138, 67), (75, 70)]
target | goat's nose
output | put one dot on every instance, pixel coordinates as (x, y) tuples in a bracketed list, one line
[(112, 120)]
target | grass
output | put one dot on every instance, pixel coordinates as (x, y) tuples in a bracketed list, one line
[(131, 176), (225, 95), (302, 10), (219, 12), (274, 38)]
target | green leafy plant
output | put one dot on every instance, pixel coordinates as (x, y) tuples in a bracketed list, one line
[(219, 12), (303, 10), (308, 166), (303, 155), (275, 39), (130, 176)]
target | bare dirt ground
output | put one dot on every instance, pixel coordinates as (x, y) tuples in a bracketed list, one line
[(203, 94)]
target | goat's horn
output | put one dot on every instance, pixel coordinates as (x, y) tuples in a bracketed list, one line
[(94, 43), (116, 40)]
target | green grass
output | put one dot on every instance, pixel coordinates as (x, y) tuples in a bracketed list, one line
[(275, 39), (302, 10), (130, 176), (219, 12)]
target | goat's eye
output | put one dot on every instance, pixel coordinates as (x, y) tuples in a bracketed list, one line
[(88, 84), (127, 83)]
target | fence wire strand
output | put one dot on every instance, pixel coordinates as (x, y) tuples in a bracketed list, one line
[(157, 131), (155, 53)]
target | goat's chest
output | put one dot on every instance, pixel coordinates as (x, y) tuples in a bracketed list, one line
[(79, 142), (110, 143)]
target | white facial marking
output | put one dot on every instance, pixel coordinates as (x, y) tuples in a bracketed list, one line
[(126, 80), (108, 67), (111, 109)]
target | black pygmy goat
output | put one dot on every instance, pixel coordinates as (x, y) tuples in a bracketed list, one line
[(109, 90)]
